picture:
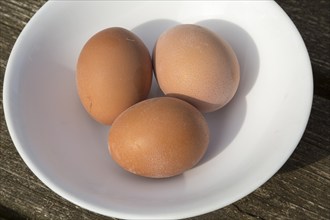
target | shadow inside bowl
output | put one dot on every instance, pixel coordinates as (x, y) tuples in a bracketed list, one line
[(149, 32), (225, 123)]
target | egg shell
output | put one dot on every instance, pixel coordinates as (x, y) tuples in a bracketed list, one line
[(114, 71), (196, 65), (159, 137)]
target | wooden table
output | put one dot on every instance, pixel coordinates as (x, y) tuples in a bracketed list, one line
[(300, 190)]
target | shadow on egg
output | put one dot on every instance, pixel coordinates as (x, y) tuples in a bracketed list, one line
[(225, 123)]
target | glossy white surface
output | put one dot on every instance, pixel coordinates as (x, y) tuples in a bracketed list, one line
[(251, 138)]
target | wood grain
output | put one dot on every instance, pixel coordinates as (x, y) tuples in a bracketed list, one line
[(300, 190), (312, 18)]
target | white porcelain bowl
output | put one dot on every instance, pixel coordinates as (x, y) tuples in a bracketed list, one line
[(251, 138)]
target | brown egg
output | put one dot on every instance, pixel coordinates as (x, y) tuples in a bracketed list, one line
[(194, 64), (114, 71), (159, 137)]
